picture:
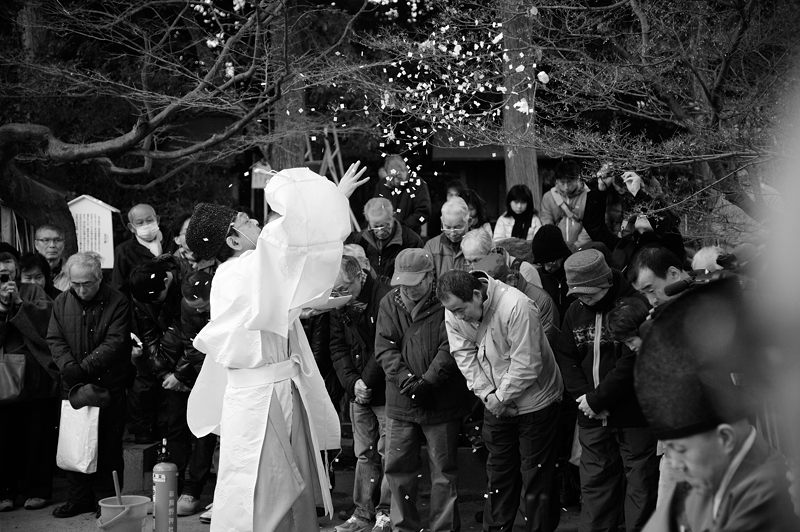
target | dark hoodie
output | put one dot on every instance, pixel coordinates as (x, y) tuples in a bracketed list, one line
[(574, 351)]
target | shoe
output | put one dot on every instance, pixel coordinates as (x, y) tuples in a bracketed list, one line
[(205, 517), (188, 505), (382, 523), (354, 524), (6, 505), (36, 503), (71, 509)]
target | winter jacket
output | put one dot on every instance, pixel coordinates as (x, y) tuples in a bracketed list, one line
[(23, 329), (192, 321), (611, 388), (94, 334), (506, 352), (446, 255), (756, 499), (553, 213), (414, 344), (127, 256), (353, 343), (505, 225), (411, 202), (158, 326), (382, 259)]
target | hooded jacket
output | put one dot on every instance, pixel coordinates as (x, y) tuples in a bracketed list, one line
[(607, 381), (414, 344), (506, 352), (553, 213)]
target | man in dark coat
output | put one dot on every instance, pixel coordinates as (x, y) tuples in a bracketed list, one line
[(618, 451), (90, 340), (410, 198), (383, 239), (164, 374), (353, 353), (145, 244), (426, 395), (694, 379)]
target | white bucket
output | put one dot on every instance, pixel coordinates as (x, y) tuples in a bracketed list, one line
[(130, 516)]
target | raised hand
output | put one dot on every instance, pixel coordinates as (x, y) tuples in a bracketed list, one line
[(349, 182)]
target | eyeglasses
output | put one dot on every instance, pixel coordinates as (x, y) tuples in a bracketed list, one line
[(49, 241), (380, 228)]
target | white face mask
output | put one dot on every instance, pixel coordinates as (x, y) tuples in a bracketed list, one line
[(147, 232)]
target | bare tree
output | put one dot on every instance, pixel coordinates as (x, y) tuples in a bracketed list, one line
[(644, 85), (171, 61)]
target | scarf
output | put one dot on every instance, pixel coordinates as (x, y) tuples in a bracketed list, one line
[(522, 222)]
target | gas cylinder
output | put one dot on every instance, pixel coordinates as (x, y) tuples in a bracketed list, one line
[(165, 493)]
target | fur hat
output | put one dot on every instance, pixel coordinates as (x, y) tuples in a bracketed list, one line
[(208, 229), (548, 245), (692, 365)]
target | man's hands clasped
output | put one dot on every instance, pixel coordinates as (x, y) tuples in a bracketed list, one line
[(499, 408)]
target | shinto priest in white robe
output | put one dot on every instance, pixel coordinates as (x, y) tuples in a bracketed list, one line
[(259, 388)]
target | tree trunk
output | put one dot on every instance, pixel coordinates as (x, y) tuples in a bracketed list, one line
[(288, 152), (521, 164)]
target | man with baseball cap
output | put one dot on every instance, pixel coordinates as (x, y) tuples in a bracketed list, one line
[(426, 396), (695, 376), (618, 451)]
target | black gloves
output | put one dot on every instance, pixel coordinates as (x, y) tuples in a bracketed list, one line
[(73, 374), (419, 391)]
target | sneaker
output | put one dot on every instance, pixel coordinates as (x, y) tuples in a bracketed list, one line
[(36, 503), (6, 505), (382, 523), (205, 517), (188, 505), (71, 509), (354, 524)]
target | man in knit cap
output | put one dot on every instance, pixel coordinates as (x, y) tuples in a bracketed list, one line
[(618, 452), (259, 378), (691, 375)]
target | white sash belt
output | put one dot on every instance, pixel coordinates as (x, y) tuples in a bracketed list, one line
[(266, 374)]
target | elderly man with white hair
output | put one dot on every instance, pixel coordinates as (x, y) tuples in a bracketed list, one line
[(446, 248), (477, 244), (383, 238), (90, 340)]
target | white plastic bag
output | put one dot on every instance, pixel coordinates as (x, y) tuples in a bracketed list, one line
[(77, 438)]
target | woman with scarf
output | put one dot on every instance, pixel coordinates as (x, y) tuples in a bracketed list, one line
[(521, 219)]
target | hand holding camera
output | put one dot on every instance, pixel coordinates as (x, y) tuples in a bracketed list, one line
[(9, 293)]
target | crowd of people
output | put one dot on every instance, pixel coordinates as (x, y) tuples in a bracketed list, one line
[(567, 345)]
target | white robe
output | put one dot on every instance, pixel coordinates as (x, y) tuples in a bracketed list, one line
[(258, 351)]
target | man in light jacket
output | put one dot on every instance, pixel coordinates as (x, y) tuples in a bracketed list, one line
[(497, 340)]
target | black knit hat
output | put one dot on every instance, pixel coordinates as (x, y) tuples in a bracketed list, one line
[(697, 364), (548, 245), (208, 229)]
